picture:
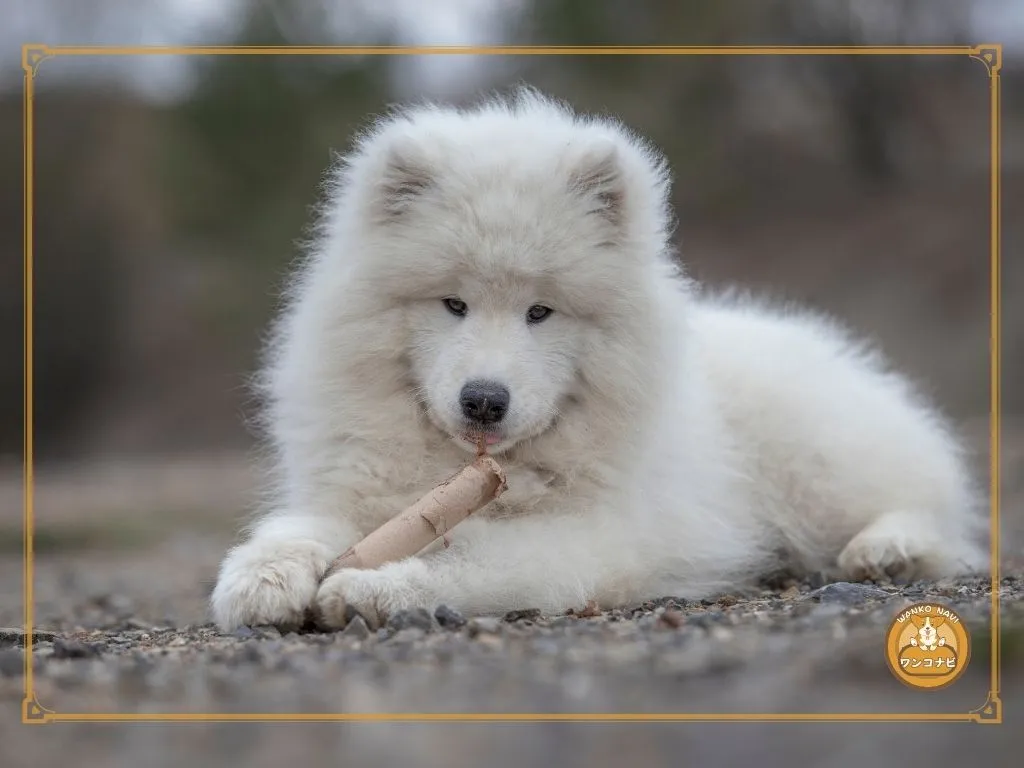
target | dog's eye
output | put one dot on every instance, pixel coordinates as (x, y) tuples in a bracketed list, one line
[(537, 313), (456, 307)]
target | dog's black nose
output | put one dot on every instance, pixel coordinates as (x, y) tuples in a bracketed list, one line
[(484, 402)]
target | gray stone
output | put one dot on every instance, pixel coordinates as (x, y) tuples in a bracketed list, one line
[(848, 593), (529, 614), (417, 618), (449, 618), (484, 625), (357, 629)]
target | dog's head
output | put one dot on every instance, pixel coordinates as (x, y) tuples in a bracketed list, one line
[(521, 246)]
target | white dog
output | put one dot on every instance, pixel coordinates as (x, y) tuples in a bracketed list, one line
[(508, 269)]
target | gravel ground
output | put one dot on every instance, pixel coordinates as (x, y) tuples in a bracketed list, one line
[(120, 612), (786, 647)]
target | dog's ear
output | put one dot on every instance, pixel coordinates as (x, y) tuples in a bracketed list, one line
[(406, 176), (597, 177), (938, 621), (917, 621)]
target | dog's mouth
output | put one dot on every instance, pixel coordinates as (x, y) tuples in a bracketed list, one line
[(481, 439)]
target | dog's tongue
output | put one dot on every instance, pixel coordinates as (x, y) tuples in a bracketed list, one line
[(491, 439)]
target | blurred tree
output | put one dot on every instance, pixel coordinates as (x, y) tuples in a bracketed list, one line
[(84, 238), (691, 102), (192, 205), (685, 104), (252, 133), (246, 152), (163, 229), (874, 98)]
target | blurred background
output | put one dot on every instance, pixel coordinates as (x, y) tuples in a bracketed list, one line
[(171, 191)]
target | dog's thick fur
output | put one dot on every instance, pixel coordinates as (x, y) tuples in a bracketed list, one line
[(658, 440)]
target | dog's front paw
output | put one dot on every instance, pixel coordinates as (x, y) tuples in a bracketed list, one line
[(871, 557), (373, 594), (268, 583)]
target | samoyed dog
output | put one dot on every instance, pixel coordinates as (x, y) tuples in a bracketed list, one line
[(506, 270)]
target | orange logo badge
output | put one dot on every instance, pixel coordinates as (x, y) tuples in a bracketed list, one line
[(927, 646)]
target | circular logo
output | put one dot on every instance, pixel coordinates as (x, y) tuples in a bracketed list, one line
[(927, 646)]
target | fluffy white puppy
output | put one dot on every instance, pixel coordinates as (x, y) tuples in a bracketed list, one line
[(508, 269)]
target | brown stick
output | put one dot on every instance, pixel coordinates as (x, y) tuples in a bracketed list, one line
[(432, 516)]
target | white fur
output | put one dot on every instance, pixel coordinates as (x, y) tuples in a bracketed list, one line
[(659, 441)]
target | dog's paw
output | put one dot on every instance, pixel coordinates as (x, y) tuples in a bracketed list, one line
[(872, 558), (268, 583), (373, 594), (895, 546)]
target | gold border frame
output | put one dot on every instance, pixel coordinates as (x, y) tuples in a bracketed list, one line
[(990, 55)]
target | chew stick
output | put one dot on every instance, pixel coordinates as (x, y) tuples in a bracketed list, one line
[(431, 516)]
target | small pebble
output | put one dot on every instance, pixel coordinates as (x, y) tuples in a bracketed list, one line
[(590, 610), (417, 618), (484, 625), (449, 618), (356, 628), (848, 593), (672, 618), (530, 614)]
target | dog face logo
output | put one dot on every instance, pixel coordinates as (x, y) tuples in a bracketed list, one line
[(927, 646), (927, 637)]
